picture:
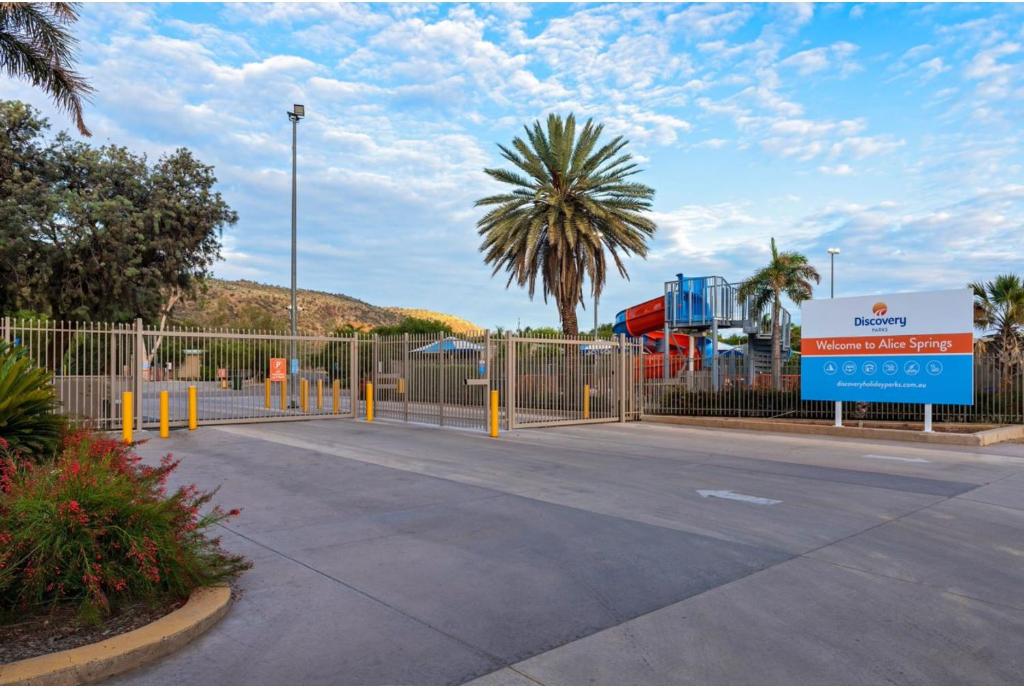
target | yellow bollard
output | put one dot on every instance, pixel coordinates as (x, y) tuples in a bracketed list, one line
[(369, 402), (319, 395), (337, 396), (494, 413), (304, 394), (127, 416), (284, 394), (165, 412), (586, 401), (401, 385), (193, 407), (266, 393)]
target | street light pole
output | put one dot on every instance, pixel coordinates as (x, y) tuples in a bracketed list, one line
[(832, 253), (297, 113)]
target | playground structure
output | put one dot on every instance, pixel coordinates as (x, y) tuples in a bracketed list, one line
[(680, 328)]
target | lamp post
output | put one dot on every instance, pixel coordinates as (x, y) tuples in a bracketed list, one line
[(297, 113), (832, 253)]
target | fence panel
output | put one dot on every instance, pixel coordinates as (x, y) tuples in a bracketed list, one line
[(231, 373), (998, 396), (91, 363), (571, 381)]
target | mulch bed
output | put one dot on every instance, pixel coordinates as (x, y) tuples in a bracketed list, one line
[(62, 629)]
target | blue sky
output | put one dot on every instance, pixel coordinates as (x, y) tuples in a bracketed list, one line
[(891, 131)]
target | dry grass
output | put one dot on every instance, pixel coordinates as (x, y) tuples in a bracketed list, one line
[(250, 305)]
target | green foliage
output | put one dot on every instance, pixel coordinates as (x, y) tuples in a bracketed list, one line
[(96, 528), (35, 46), (789, 273), (28, 420), (71, 213), (412, 325), (999, 309), (571, 206)]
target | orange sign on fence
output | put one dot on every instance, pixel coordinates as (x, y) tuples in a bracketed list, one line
[(278, 369)]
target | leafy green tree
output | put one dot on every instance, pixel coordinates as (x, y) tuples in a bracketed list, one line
[(789, 273), (100, 233), (999, 309), (36, 46), (571, 206)]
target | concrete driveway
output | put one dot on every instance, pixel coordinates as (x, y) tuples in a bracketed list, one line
[(607, 554)]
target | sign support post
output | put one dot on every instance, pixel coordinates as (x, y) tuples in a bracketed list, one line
[(839, 414), (927, 417)]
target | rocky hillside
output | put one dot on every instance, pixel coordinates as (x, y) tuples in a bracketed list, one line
[(250, 305)]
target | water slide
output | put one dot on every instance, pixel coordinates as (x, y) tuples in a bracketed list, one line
[(696, 306), (647, 320)]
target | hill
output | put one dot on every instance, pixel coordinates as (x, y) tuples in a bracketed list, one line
[(243, 304)]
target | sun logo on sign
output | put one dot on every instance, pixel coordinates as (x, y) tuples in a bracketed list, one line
[(879, 308)]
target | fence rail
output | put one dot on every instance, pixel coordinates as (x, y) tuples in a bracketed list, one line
[(427, 378), (434, 378), (998, 396)]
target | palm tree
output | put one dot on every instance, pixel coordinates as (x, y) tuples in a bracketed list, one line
[(999, 308), (571, 202), (787, 273), (35, 45)]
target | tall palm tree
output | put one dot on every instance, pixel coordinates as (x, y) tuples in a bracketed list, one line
[(571, 203), (35, 45), (787, 273), (999, 308)]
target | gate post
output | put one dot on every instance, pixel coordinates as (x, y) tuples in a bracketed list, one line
[(490, 382), (510, 382), (140, 355), (405, 376), (353, 376), (7, 329), (622, 378)]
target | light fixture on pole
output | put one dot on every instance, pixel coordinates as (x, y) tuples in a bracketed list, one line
[(832, 253), (297, 113)]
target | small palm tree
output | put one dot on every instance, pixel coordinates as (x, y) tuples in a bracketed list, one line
[(572, 201), (35, 45), (787, 273), (999, 308)]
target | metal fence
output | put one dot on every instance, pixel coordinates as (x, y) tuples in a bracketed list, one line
[(426, 378), (435, 379), (740, 392)]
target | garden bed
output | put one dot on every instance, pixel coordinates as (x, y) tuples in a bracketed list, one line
[(64, 629)]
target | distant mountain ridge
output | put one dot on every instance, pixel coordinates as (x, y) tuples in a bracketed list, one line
[(244, 304)]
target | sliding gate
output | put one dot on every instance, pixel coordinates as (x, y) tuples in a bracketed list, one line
[(249, 376), (571, 381)]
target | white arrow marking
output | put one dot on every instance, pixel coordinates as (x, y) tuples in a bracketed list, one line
[(729, 494), (895, 458)]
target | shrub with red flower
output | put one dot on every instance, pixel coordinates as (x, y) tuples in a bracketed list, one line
[(96, 527)]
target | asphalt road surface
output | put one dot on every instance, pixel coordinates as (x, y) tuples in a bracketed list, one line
[(634, 553)]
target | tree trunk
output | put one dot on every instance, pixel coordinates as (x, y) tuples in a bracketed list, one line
[(567, 314), (776, 345), (172, 299)]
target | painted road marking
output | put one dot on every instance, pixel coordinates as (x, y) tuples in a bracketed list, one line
[(895, 458), (729, 494)]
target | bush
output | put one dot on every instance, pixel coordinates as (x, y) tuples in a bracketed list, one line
[(28, 419), (96, 528)]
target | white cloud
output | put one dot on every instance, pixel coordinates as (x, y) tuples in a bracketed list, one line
[(840, 170)]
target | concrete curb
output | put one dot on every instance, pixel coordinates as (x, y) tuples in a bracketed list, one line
[(973, 439), (98, 661)]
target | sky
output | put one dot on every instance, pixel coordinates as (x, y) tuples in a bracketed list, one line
[(889, 131)]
